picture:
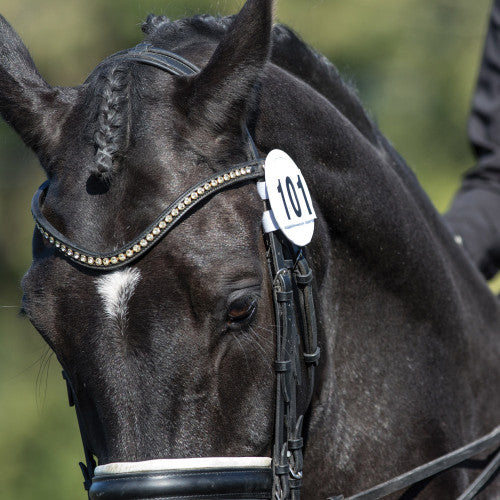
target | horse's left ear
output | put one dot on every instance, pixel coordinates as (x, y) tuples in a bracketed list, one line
[(219, 93), (27, 102)]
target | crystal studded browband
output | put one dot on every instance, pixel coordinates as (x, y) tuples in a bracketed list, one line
[(155, 232)]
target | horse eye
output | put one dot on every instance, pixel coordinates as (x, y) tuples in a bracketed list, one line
[(241, 310)]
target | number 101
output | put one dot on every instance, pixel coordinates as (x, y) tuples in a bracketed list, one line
[(293, 197)]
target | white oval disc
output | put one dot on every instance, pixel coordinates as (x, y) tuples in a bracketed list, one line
[(289, 198)]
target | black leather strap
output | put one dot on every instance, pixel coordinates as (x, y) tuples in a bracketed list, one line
[(163, 59), (89, 466), (249, 483), (75, 252), (296, 346), (482, 480), (435, 467)]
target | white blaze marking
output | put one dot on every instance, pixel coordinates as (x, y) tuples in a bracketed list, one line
[(116, 289)]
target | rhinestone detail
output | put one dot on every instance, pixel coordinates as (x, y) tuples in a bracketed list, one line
[(141, 244)]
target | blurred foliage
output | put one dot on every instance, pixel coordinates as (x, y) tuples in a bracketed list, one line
[(414, 63)]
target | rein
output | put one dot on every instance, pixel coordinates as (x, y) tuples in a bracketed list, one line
[(437, 466), (297, 356)]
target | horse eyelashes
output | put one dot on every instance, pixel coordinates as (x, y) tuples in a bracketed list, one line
[(241, 310)]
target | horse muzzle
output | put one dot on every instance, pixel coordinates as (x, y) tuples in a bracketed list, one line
[(245, 478)]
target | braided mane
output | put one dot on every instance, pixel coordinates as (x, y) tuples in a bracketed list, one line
[(111, 136), (289, 52)]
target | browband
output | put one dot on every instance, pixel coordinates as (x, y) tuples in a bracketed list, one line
[(107, 261), (169, 218)]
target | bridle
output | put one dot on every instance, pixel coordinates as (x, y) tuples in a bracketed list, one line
[(297, 354)]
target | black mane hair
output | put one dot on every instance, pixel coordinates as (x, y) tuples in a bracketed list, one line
[(288, 52)]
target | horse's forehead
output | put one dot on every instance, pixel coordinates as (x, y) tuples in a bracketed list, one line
[(224, 234)]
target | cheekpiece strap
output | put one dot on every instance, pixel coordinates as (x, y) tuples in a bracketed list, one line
[(296, 351)]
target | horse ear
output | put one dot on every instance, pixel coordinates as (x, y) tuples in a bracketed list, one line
[(219, 93), (27, 102)]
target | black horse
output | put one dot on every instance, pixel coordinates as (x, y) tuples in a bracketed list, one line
[(172, 356)]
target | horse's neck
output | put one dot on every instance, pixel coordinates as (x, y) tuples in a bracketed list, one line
[(398, 300), (369, 200), (372, 211)]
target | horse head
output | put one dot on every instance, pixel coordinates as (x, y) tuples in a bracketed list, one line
[(164, 353), (174, 318)]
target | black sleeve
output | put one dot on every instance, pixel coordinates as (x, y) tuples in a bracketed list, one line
[(475, 212), (484, 121)]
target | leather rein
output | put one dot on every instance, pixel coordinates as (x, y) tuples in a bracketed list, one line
[(297, 356)]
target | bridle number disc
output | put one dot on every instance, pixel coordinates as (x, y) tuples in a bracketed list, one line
[(289, 197)]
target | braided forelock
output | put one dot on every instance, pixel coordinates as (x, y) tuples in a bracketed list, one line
[(112, 134)]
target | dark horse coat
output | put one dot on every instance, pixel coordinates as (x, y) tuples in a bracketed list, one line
[(408, 328)]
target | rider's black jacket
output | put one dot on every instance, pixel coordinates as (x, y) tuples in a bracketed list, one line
[(475, 212)]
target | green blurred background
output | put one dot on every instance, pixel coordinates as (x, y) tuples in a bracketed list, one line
[(414, 63)]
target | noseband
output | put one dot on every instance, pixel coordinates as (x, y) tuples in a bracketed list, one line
[(278, 477)]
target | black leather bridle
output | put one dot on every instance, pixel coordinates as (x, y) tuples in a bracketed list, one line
[(297, 355), (297, 352)]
